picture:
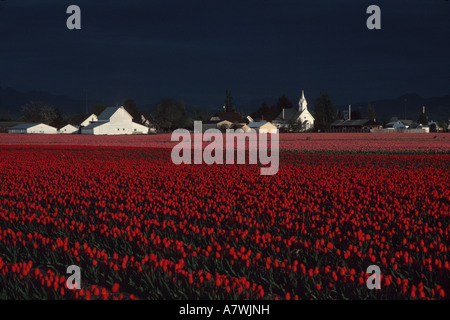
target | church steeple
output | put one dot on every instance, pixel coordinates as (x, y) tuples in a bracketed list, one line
[(302, 104)]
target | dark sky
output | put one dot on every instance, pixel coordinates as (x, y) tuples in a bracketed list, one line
[(195, 49)]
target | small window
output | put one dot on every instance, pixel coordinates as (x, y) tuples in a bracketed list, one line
[(123, 129), (118, 129)]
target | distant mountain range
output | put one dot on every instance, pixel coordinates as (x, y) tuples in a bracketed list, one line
[(11, 102), (408, 106)]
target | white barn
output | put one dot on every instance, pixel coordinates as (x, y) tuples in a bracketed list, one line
[(112, 121), (68, 129), (88, 120), (33, 128)]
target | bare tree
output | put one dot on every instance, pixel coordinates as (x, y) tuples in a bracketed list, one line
[(38, 112)]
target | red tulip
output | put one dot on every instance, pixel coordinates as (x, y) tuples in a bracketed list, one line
[(115, 288)]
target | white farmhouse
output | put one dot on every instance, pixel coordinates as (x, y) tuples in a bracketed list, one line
[(291, 116), (114, 120), (263, 127), (68, 129), (33, 128)]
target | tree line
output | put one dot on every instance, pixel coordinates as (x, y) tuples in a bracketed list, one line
[(323, 112), (170, 114)]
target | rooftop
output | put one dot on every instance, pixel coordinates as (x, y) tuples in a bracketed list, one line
[(256, 124)]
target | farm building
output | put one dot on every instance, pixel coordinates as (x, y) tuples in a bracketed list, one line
[(68, 129), (232, 117), (407, 123), (217, 124), (395, 125), (291, 116), (243, 127), (212, 124), (263, 127), (360, 125), (33, 128), (113, 121), (88, 120), (6, 125), (223, 125), (82, 120), (224, 120)]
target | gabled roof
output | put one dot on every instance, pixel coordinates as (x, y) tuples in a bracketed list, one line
[(290, 114), (9, 124), (66, 125), (109, 112), (230, 116), (337, 122), (407, 122), (24, 125), (76, 120), (29, 125), (394, 124), (88, 119), (257, 124)]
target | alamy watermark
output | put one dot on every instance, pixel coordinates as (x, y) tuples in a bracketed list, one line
[(74, 20), (374, 281), (74, 281), (213, 153), (374, 21)]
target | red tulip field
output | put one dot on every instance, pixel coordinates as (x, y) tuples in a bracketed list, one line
[(141, 227)]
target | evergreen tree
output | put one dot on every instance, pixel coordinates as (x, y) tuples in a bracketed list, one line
[(59, 119), (270, 113), (370, 112), (423, 119), (202, 114), (229, 105), (171, 114), (282, 103), (324, 113), (132, 109)]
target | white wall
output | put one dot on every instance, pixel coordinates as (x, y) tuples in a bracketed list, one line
[(86, 122), (120, 116), (117, 128), (68, 129), (42, 128)]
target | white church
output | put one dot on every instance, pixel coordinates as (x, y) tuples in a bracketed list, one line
[(113, 121), (302, 116)]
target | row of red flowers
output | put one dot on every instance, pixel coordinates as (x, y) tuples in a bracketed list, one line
[(332, 142)]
